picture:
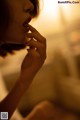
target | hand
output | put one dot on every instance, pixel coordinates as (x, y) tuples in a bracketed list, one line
[(36, 53)]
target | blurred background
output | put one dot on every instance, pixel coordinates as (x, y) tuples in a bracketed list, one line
[(60, 24)]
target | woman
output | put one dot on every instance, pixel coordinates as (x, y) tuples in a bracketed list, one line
[(15, 16)]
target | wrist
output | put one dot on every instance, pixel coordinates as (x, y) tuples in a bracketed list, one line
[(26, 78)]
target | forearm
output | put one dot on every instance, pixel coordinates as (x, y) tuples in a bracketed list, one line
[(10, 103)]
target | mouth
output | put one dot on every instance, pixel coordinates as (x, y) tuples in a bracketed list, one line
[(26, 22)]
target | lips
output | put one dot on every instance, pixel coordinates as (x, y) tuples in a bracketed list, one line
[(26, 22)]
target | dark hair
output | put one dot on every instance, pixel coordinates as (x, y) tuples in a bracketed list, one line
[(4, 22), (4, 17)]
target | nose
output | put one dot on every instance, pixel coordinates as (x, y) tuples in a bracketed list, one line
[(28, 6)]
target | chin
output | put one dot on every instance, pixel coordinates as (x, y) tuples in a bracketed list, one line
[(18, 39)]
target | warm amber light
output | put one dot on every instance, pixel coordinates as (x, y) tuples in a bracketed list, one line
[(51, 8)]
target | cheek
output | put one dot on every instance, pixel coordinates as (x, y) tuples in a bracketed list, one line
[(16, 11), (18, 34), (15, 33)]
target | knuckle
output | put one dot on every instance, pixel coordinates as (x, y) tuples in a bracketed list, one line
[(44, 40), (45, 57)]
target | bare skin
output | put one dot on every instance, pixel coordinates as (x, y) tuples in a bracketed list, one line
[(30, 66)]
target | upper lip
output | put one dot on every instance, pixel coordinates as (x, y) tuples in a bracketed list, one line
[(26, 21)]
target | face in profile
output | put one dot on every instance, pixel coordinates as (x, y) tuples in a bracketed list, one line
[(19, 17), (20, 13)]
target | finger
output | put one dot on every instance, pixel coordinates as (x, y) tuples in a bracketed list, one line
[(32, 29), (33, 53), (35, 44), (36, 33), (39, 47), (36, 37)]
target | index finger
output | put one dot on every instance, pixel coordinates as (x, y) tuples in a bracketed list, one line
[(35, 34), (32, 29)]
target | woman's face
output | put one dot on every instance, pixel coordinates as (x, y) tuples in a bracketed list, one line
[(19, 16)]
